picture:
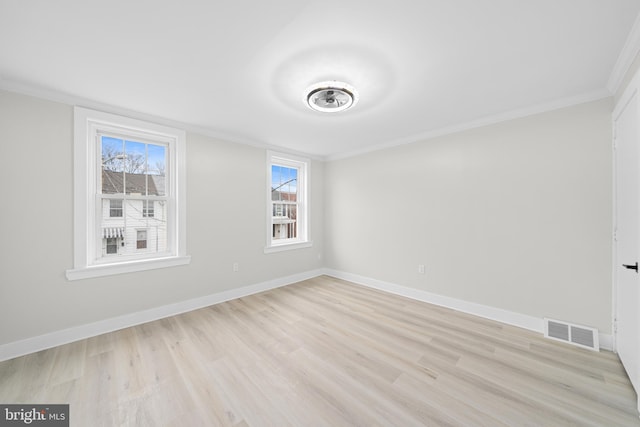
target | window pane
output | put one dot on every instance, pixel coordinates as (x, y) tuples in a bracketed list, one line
[(284, 183), (112, 150), (135, 168), (132, 229), (284, 221), (156, 169)]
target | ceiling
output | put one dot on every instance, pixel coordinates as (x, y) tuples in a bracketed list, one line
[(238, 69)]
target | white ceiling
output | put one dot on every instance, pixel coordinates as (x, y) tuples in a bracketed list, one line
[(239, 68)]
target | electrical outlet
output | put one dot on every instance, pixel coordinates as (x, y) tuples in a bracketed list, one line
[(236, 267), (421, 268)]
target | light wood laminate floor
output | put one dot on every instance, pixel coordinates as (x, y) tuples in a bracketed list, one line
[(324, 352)]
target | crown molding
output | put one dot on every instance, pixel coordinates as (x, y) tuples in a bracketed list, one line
[(65, 98), (485, 121), (627, 55)]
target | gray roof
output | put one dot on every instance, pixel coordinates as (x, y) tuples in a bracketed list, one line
[(137, 183)]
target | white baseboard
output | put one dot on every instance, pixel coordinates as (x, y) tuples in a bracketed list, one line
[(65, 336), (605, 341), (525, 321)]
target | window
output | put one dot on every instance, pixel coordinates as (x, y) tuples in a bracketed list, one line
[(112, 245), (115, 208), (141, 239), (287, 202), (129, 195), (147, 208)]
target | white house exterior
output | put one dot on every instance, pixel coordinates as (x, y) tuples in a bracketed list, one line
[(284, 215), (133, 221)]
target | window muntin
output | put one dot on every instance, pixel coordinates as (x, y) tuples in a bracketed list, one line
[(287, 215)]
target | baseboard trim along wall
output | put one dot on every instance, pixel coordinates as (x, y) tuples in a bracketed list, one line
[(509, 317), (65, 336)]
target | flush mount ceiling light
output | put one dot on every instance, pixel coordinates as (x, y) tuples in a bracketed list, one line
[(330, 97)]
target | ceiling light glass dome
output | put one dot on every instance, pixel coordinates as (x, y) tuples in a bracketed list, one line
[(330, 97)]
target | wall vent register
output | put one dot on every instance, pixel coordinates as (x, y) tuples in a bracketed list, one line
[(582, 336)]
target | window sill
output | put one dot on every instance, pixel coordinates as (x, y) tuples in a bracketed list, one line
[(126, 267), (287, 247)]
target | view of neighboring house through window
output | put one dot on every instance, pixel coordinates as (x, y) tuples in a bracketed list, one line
[(287, 195), (133, 189), (284, 196)]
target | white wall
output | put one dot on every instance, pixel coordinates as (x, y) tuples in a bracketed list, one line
[(515, 215), (226, 183)]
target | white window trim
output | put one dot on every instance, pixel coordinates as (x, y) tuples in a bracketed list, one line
[(86, 124), (304, 218)]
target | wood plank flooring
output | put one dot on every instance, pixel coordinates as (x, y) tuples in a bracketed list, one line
[(324, 352)]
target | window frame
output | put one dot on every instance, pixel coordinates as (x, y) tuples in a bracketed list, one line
[(303, 238), (88, 124)]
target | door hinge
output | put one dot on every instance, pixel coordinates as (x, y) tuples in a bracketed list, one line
[(615, 326), (615, 235)]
